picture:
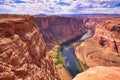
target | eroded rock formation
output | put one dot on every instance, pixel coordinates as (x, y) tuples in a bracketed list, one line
[(103, 49), (100, 73), (56, 30), (23, 52)]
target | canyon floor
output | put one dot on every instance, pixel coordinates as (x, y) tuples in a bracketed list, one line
[(58, 60)]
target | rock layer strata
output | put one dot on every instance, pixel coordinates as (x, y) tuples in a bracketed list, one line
[(103, 49), (56, 30), (23, 52)]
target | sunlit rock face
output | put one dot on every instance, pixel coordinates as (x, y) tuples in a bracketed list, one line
[(103, 49), (100, 73), (23, 52)]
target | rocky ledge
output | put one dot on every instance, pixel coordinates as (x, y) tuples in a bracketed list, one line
[(23, 51), (100, 73), (103, 49)]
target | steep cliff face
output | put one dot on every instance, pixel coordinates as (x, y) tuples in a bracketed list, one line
[(56, 30), (103, 49), (23, 52), (100, 73)]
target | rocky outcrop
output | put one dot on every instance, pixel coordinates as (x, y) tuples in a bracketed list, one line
[(100, 73), (23, 52), (56, 30), (103, 49)]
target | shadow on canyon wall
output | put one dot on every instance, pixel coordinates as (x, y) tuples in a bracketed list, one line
[(56, 30)]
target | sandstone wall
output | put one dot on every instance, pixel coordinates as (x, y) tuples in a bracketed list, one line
[(56, 30), (103, 49), (23, 52)]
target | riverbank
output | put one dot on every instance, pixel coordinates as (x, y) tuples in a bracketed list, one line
[(70, 67), (58, 60)]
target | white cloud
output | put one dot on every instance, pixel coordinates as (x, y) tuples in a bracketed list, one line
[(100, 10), (52, 7)]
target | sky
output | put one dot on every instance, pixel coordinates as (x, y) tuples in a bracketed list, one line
[(35, 7)]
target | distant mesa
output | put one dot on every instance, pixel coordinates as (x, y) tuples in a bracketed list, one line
[(41, 15)]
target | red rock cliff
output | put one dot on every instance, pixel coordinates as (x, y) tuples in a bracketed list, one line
[(101, 52), (23, 52), (56, 30), (103, 49)]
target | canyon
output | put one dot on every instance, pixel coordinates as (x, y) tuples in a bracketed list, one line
[(101, 50), (27, 44), (56, 30)]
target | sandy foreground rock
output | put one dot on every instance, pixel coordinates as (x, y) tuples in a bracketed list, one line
[(100, 73)]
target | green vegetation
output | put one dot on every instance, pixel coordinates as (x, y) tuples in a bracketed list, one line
[(72, 40), (75, 44), (58, 57), (56, 53)]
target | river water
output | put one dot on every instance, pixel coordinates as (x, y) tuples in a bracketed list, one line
[(71, 63)]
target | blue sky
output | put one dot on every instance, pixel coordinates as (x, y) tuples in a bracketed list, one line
[(59, 7)]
